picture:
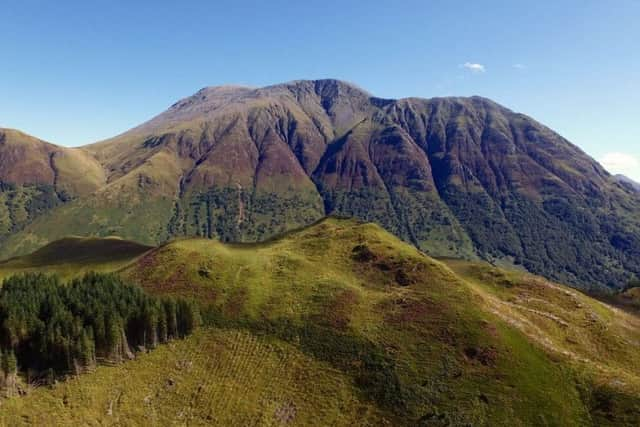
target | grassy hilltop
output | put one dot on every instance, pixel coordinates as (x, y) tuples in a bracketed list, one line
[(341, 323)]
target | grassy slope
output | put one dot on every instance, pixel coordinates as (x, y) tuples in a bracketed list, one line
[(73, 256), (459, 343), (222, 377), (137, 206), (598, 340)]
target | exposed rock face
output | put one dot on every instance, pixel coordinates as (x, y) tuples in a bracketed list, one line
[(455, 176)]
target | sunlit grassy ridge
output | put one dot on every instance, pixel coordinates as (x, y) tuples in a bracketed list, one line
[(598, 340), (399, 337), (562, 319)]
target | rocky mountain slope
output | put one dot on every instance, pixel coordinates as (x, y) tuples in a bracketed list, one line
[(628, 181), (36, 176), (458, 177)]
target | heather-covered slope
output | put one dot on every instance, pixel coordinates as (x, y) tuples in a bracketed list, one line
[(341, 323), (25, 160), (460, 177)]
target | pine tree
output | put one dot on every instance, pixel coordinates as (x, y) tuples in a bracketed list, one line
[(87, 349), (61, 328), (9, 362), (188, 317), (171, 310), (114, 337), (163, 334)]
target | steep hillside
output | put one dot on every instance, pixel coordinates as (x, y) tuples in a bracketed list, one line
[(25, 160), (36, 176), (462, 177), (628, 182), (341, 323)]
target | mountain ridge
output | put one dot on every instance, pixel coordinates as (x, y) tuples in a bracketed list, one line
[(461, 177)]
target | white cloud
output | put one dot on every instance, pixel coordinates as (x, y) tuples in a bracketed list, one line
[(519, 66), (474, 67), (622, 163)]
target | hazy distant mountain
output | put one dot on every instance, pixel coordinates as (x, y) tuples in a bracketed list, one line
[(462, 177)]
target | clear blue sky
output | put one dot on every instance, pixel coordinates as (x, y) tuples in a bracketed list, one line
[(73, 72)]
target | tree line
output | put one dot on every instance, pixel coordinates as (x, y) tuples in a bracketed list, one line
[(49, 328)]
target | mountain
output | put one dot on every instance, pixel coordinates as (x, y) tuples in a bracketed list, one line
[(341, 323), (25, 160), (628, 181), (36, 176), (457, 177)]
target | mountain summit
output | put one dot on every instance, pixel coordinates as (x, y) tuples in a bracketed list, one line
[(457, 177)]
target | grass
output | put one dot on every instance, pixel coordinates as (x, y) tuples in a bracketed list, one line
[(372, 332), (73, 256), (91, 217), (569, 322), (220, 377)]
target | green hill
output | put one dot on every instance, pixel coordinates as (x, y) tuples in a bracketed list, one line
[(342, 323), (73, 256)]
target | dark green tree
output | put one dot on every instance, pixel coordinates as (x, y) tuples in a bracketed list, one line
[(50, 326)]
